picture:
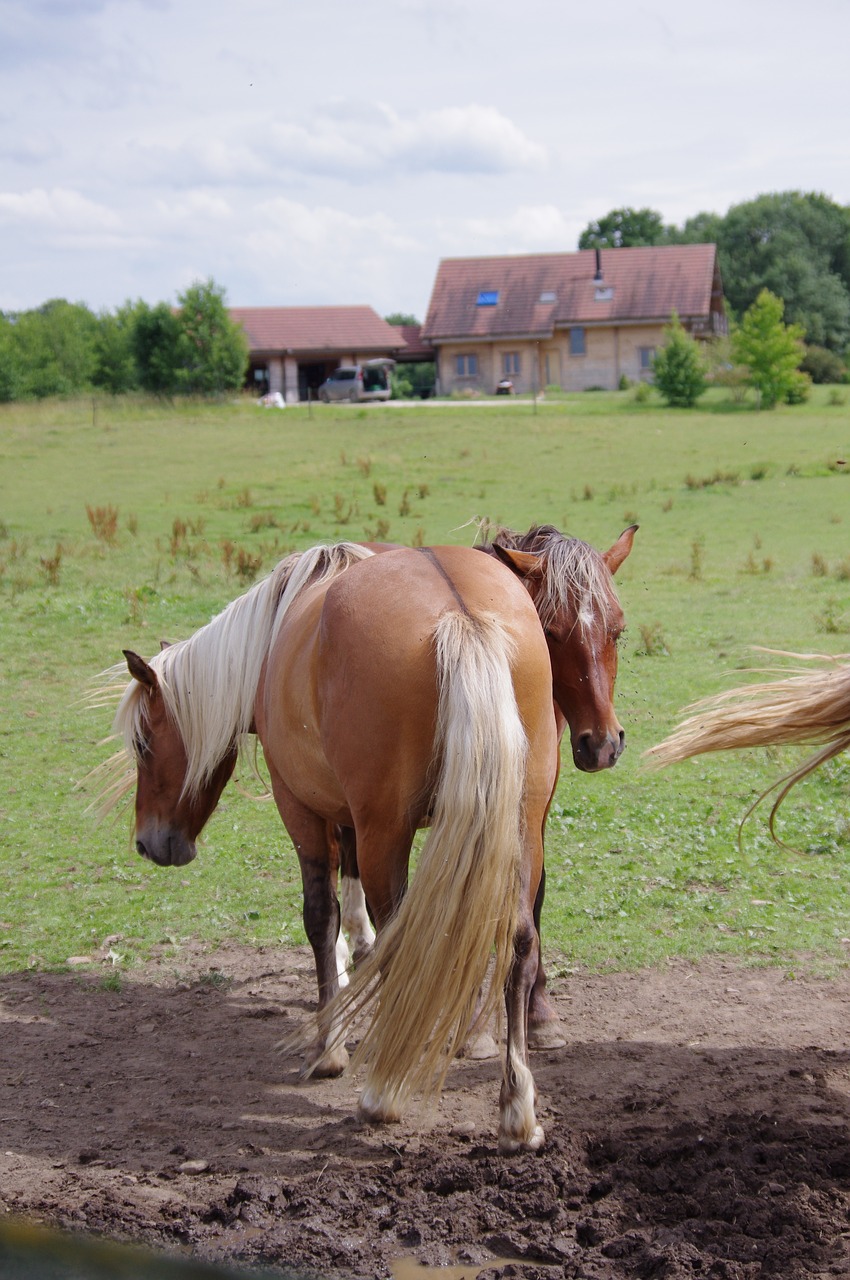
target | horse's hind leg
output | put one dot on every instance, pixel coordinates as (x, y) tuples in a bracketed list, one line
[(518, 1127)]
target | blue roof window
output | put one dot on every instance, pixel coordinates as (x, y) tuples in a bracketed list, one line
[(487, 298)]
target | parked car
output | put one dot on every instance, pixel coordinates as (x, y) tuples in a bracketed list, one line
[(367, 381)]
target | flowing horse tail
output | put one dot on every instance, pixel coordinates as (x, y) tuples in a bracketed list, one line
[(430, 962), (810, 708)]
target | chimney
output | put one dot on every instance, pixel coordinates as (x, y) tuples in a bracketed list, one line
[(597, 279)]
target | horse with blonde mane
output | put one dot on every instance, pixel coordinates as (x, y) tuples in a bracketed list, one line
[(566, 579), (807, 707), (392, 692)]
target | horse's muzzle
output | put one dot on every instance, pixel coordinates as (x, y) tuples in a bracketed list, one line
[(591, 755), (165, 848)]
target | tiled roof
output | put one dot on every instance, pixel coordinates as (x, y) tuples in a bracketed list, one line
[(416, 348), (646, 283), (319, 329)]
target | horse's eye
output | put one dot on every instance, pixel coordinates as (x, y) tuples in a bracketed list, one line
[(140, 747)]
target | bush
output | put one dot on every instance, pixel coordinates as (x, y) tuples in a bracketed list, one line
[(799, 388), (822, 365), (679, 368)]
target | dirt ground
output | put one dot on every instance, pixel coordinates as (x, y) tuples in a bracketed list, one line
[(697, 1124)]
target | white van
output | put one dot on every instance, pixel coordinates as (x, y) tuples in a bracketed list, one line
[(355, 382)]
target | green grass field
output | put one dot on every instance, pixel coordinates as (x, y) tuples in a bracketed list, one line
[(125, 522)]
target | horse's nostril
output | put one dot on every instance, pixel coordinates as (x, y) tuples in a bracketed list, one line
[(140, 848)]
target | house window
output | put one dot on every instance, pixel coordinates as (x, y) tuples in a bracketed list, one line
[(577, 341), (467, 366), (510, 363), (487, 298), (646, 355), (548, 295)]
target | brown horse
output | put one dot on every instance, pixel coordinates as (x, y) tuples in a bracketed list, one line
[(557, 572), (809, 707), (389, 692)]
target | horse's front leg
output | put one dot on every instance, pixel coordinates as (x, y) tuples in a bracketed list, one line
[(518, 1127), (544, 1026), (355, 916)]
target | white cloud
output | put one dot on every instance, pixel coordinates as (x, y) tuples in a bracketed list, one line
[(352, 141), (60, 208), (290, 224), (195, 206), (529, 228), (359, 141)]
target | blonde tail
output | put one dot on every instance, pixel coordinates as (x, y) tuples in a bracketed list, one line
[(431, 961), (811, 709)]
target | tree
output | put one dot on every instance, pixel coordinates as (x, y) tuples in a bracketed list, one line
[(212, 350), (625, 228), (702, 228), (116, 368), (770, 350), (679, 367), (155, 339), (797, 246), (11, 362), (55, 349), (399, 318)]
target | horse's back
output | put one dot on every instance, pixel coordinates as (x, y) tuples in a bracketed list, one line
[(378, 684), (351, 689)]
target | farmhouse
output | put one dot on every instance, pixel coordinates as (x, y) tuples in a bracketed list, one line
[(572, 320), (293, 349)]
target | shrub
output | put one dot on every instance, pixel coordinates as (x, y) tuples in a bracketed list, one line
[(823, 365), (679, 368)]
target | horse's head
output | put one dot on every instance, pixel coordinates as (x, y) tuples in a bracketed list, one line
[(571, 586), (169, 814)]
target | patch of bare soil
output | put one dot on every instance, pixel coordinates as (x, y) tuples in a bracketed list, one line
[(696, 1122)]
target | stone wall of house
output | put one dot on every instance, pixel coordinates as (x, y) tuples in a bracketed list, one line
[(609, 353)]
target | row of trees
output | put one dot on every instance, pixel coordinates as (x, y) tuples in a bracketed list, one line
[(63, 348), (795, 244), (767, 352)]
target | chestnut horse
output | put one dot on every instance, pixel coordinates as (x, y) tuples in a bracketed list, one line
[(578, 684), (390, 693)]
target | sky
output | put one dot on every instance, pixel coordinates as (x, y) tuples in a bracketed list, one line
[(313, 152)]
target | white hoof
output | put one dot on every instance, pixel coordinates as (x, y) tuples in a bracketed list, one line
[(377, 1108), (510, 1145)]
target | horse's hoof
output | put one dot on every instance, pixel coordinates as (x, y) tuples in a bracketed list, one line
[(546, 1035), (480, 1047), (510, 1146), (325, 1066), (377, 1110)]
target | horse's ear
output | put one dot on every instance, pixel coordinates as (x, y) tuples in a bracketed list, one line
[(140, 670), (525, 565), (615, 555), (164, 644)]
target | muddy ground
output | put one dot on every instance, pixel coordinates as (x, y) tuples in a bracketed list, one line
[(697, 1125)]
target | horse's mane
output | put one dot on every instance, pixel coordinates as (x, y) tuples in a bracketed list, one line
[(209, 681), (808, 707), (575, 574)]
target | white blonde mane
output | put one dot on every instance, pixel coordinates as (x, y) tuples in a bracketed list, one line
[(209, 681)]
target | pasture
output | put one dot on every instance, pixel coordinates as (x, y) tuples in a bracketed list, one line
[(696, 1120), (123, 522)]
